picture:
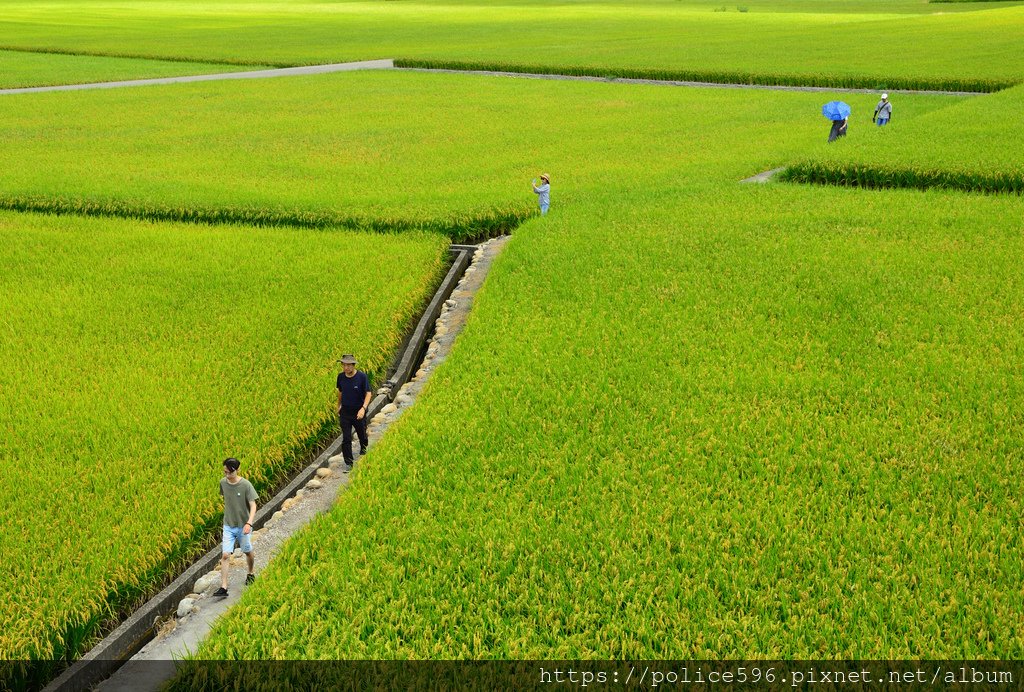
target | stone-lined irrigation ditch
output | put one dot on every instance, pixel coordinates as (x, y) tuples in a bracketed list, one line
[(171, 623)]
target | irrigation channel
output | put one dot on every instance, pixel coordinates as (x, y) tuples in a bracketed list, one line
[(142, 653)]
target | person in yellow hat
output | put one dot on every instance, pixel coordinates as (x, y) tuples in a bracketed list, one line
[(543, 192)]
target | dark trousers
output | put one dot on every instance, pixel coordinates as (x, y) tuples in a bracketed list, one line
[(837, 131), (348, 421)]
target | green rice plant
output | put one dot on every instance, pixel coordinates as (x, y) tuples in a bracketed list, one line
[(68, 52), (734, 423), (460, 228), (969, 146), (405, 147), (134, 357), (778, 417), (29, 69), (695, 419), (872, 176), (291, 156), (116, 178), (381, 150), (808, 40), (837, 81)]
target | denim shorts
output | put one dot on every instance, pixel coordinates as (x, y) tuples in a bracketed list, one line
[(882, 121), (232, 535)]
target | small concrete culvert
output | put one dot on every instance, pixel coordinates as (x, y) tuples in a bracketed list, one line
[(135, 657)]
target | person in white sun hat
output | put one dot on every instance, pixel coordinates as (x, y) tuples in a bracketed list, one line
[(883, 111)]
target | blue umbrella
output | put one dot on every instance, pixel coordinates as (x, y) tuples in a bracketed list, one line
[(836, 110)]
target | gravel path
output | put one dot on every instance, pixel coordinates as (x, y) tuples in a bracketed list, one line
[(179, 636)]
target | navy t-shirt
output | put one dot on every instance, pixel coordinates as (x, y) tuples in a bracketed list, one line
[(353, 389)]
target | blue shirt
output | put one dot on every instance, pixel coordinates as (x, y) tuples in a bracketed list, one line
[(353, 389), (543, 194)]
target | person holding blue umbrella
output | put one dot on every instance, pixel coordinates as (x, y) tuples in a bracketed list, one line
[(839, 113)]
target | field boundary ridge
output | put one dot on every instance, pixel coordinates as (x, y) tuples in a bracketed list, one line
[(881, 177), (966, 86), (461, 229)]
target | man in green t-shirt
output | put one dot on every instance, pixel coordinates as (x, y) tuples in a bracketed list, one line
[(239, 513)]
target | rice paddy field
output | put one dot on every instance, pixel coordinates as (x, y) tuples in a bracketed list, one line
[(688, 418), (135, 357), (781, 419), (798, 41), (982, 155), (403, 148), (25, 69), (789, 432)]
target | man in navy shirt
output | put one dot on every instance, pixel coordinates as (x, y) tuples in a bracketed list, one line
[(353, 400)]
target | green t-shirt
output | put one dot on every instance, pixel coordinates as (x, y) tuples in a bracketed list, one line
[(236, 501)]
